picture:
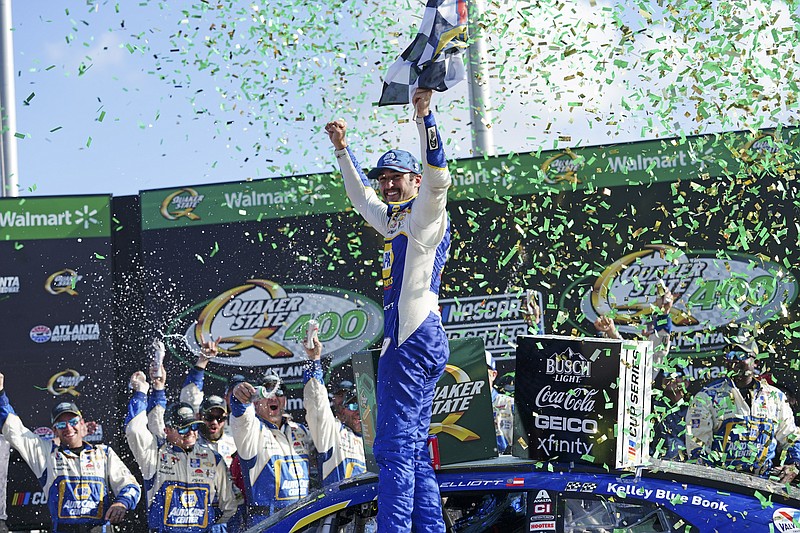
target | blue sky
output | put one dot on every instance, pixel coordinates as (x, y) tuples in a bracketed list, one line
[(117, 97)]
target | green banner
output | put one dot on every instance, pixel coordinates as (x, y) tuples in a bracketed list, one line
[(597, 167), (462, 417), (55, 218)]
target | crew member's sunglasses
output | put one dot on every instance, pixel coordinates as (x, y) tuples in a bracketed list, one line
[(350, 406), (72, 422), (218, 418), (186, 429), (738, 355)]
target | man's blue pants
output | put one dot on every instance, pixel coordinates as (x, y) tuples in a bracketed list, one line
[(407, 376)]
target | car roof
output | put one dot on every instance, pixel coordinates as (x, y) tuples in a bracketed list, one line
[(503, 472)]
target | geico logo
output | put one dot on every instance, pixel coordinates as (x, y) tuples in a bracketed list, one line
[(574, 425)]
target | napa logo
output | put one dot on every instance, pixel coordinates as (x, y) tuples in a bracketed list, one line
[(453, 401), (63, 282), (181, 203), (562, 167), (711, 291), (261, 323)]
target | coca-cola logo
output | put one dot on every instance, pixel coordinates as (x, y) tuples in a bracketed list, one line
[(580, 399)]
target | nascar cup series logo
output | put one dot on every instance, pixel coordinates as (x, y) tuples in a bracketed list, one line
[(709, 292), (63, 281), (261, 323), (181, 203), (454, 400), (562, 167), (64, 383)]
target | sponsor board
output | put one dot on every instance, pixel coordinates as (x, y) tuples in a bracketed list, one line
[(712, 291), (261, 323), (462, 419), (44, 433), (585, 400), (55, 218), (496, 318)]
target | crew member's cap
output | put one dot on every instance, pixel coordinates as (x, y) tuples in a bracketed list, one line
[(490, 361), (398, 160), (345, 387), (64, 407), (213, 402), (272, 382), (179, 415), (235, 380), (740, 348)]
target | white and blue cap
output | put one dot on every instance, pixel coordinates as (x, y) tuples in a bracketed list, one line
[(398, 160), (490, 361)]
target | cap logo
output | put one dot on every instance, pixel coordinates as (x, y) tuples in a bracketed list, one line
[(389, 157)]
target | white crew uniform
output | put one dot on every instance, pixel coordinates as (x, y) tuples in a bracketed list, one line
[(181, 484), (340, 449), (274, 461)]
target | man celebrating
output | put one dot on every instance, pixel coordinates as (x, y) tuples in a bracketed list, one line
[(77, 477), (273, 450), (337, 438), (183, 476), (738, 421), (416, 230)]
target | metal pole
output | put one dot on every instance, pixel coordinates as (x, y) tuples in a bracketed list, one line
[(480, 93), (9, 177)]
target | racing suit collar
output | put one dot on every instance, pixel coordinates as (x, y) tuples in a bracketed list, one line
[(397, 206), (177, 449), (68, 451)]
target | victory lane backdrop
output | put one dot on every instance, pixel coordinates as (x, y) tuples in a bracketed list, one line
[(254, 282), (55, 289)]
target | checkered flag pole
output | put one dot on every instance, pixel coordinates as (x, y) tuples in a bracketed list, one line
[(433, 60)]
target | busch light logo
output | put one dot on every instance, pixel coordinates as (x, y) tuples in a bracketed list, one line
[(569, 366)]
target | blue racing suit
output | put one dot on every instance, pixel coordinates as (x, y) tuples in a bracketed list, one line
[(78, 486), (274, 460), (340, 449), (669, 432), (724, 429), (181, 484), (415, 348)]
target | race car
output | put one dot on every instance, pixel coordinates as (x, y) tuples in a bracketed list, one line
[(510, 495)]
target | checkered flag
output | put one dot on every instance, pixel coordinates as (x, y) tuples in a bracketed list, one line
[(433, 60)]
